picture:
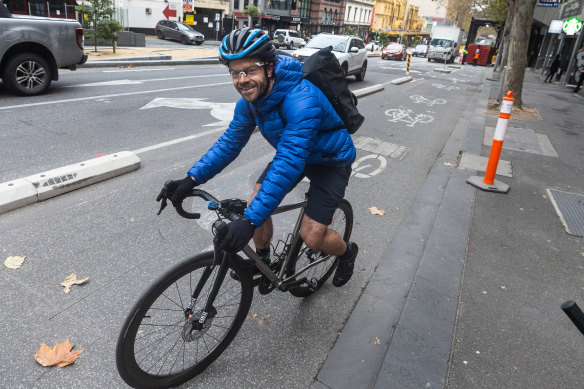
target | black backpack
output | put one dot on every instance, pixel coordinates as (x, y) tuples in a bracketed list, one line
[(323, 70)]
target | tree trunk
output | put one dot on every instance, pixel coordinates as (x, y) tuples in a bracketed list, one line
[(518, 45)]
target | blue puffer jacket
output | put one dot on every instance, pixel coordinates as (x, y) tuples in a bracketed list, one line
[(307, 113)]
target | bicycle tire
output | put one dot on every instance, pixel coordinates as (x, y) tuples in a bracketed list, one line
[(343, 224), (150, 312)]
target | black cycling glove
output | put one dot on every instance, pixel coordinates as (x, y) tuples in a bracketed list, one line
[(178, 190), (239, 233)]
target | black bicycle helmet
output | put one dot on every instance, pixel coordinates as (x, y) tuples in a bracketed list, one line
[(246, 43)]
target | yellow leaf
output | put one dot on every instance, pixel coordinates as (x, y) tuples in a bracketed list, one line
[(61, 355), (72, 280), (376, 211), (14, 262), (377, 340)]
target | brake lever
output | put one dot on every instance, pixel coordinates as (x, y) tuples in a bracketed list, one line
[(162, 205), (163, 196)]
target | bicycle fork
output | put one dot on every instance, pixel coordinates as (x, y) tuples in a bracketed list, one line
[(209, 311)]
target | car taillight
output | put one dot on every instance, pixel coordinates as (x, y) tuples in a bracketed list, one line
[(80, 37)]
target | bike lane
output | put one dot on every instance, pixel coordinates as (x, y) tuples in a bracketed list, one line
[(108, 233)]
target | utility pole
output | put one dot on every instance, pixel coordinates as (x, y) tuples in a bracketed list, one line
[(401, 38)]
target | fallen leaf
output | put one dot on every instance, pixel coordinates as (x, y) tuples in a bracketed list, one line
[(377, 341), (376, 211), (72, 280), (449, 164), (14, 262), (61, 355), (254, 316)]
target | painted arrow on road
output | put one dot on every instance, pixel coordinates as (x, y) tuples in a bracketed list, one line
[(221, 111)]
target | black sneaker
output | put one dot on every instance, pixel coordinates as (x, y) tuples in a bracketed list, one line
[(346, 265)]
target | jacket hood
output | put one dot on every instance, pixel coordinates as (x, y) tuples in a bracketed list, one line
[(288, 74)]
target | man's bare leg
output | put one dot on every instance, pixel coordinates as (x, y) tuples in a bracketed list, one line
[(262, 235), (318, 237)]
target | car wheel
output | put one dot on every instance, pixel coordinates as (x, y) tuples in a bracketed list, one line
[(361, 75), (429, 59), (184, 40), (27, 74), (160, 34), (289, 46), (345, 68)]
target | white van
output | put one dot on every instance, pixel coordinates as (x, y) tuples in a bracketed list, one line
[(288, 38)]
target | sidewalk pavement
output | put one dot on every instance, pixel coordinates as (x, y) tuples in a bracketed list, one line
[(468, 293), (157, 55)]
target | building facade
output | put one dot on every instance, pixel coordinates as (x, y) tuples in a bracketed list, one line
[(397, 17), (359, 15)]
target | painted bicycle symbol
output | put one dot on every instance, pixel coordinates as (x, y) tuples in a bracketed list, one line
[(407, 116), (423, 100), (440, 86)]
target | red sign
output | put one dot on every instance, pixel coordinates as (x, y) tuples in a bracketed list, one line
[(167, 12)]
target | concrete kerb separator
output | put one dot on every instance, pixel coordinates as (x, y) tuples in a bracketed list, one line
[(28, 190)]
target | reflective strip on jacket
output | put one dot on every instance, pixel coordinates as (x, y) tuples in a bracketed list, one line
[(304, 140)]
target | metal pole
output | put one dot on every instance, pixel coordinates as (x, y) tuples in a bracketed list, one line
[(401, 38)]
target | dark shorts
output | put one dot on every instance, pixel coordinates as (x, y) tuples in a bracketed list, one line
[(327, 189)]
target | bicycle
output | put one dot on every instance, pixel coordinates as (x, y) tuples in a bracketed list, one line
[(190, 315)]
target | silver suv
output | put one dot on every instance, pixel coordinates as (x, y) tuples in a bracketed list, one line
[(349, 50), (288, 38)]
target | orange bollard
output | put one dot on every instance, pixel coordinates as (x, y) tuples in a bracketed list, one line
[(489, 183)]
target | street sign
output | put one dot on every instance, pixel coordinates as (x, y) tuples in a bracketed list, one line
[(217, 17), (548, 3), (167, 12), (572, 26)]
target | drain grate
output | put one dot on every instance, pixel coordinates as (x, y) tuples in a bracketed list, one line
[(570, 209)]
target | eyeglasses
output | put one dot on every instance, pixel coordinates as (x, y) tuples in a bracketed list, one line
[(249, 72)]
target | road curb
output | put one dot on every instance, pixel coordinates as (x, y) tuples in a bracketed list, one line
[(28, 190), (369, 90), (443, 70), (133, 62), (402, 80), (385, 341)]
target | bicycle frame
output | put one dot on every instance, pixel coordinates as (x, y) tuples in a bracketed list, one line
[(278, 280)]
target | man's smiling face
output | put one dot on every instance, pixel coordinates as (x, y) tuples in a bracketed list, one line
[(249, 77)]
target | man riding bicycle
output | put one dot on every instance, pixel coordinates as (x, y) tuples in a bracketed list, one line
[(272, 86)]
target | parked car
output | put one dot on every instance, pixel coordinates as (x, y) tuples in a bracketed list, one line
[(420, 51), (394, 51), (349, 50), (288, 38), (182, 32), (373, 46), (33, 49)]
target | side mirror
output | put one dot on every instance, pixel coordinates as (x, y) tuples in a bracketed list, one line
[(354, 49)]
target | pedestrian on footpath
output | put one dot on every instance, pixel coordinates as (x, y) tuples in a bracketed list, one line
[(579, 69), (553, 69)]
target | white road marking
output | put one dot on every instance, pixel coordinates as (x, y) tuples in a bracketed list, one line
[(175, 141), (357, 168), (114, 95), (135, 70), (135, 82), (221, 111)]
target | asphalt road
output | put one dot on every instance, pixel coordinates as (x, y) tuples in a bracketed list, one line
[(110, 233)]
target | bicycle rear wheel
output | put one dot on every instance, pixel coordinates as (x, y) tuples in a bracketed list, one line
[(158, 346), (343, 224)]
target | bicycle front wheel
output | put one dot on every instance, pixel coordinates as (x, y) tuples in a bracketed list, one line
[(159, 346), (343, 224)]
